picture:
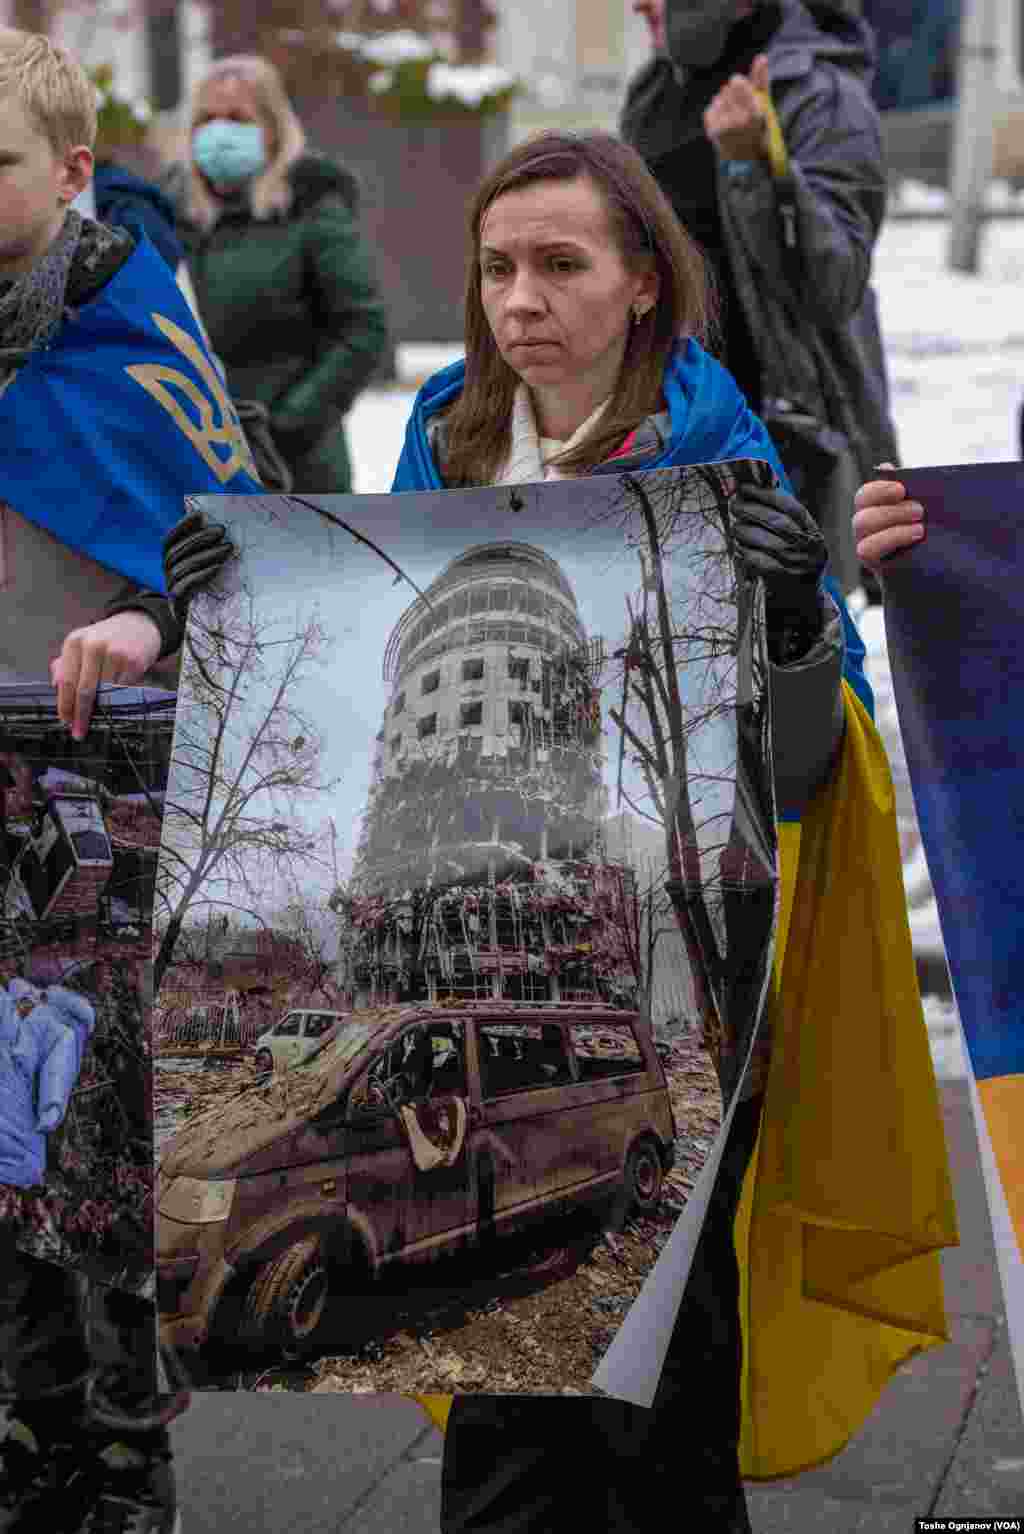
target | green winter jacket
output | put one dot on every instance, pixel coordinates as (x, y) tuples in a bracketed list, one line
[(293, 312)]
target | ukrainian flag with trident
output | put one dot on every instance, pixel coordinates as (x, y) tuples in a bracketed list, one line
[(124, 414)]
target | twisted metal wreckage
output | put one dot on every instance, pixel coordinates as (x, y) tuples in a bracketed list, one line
[(565, 932), (80, 823)]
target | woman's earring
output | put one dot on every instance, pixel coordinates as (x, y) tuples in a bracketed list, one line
[(639, 310)]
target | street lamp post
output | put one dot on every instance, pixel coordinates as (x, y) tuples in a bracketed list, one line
[(974, 130)]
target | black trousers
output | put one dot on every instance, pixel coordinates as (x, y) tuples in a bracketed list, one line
[(531, 1466)]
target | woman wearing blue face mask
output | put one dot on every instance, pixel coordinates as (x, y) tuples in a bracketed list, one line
[(281, 275)]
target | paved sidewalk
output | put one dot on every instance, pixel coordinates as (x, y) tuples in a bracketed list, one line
[(947, 1437), (307, 1464)]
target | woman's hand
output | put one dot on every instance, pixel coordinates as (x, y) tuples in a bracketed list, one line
[(885, 521), (120, 650), (195, 551), (778, 540)]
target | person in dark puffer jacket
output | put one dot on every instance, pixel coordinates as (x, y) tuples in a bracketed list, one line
[(692, 112), (280, 271)]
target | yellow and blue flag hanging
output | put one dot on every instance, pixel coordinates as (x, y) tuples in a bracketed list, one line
[(123, 415), (954, 616), (848, 1200)]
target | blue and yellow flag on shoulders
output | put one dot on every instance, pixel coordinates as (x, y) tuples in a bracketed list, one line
[(109, 428)]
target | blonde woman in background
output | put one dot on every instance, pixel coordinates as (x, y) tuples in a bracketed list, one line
[(280, 274)]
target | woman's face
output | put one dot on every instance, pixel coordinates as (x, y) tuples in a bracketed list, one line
[(554, 287), (233, 100)]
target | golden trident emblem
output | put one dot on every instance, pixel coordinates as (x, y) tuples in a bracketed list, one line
[(205, 435)]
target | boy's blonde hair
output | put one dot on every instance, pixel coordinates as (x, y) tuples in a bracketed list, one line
[(54, 89), (270, 192)]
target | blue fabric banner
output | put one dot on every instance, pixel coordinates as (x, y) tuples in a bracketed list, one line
[(954, 613)]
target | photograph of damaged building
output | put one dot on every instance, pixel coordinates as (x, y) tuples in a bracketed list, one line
[(481, 872), (466, 1183)]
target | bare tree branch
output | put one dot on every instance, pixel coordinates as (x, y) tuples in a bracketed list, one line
[(361, 538), (246, 765)]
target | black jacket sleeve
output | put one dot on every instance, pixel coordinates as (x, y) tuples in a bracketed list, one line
[(156, 606), (808, 718)]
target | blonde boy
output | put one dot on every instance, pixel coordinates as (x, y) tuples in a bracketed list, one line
[(111, 412), (110, 408)]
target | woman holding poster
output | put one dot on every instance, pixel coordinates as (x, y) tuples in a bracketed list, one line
[(586, 308)]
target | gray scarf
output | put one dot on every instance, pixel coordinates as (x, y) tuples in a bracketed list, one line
[(32, 306)]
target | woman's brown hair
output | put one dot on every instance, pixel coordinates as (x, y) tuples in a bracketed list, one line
[(478, 424)]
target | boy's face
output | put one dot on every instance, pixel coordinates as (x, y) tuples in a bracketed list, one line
[(36, 188)]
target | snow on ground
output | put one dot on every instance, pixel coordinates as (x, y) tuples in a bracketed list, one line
[(955, 343), (911, 197), (955, 347)]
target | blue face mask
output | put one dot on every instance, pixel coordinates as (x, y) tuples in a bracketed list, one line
[(228, 152)]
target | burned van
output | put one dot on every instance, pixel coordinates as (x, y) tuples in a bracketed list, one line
[(413, 1132)]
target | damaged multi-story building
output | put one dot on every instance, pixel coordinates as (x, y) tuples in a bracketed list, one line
[(480, 870)]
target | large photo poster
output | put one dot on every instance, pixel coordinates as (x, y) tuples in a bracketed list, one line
[(467, 886)]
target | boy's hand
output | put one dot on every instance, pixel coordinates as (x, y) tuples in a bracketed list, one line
[(885, 521), (119, 650)]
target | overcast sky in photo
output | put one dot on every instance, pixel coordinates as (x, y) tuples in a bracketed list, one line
[(299, 565)]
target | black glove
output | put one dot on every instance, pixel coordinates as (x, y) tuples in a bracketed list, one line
[(778, 540), (195, 550)]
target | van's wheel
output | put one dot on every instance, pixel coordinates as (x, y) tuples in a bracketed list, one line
[(264, 1060), (288, 1297), (643, 1177)]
